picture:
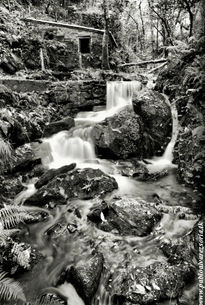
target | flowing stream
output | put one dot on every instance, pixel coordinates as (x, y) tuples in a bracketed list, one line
[(77, 146)]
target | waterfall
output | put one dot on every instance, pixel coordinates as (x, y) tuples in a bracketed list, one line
[(165, 161), (42, 60), (120, 93), (168, 154), (77, 144), (67, 148)]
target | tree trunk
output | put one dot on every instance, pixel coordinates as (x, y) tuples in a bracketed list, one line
[(202, 18), (105, 42), (9, 6), (143, 27), (157, 38), (151, 28), (191, 23)]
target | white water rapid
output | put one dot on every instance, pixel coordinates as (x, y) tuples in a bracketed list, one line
[(165, 161), (42, 60), (77, 145)]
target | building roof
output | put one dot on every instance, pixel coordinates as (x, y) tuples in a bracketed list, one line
[(70, 26), (64, 25)]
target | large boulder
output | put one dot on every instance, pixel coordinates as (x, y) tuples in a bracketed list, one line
[(52, 173), (24, 130), (85, 277), (6, 96), (155, 113), (23, 126), (151, 284), (11, 63), (125, 216), (9, 188), (190, 156), (81, 183), (54, 127), (23, 161), (119, 136)]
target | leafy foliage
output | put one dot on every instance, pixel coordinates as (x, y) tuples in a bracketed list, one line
[(5, 154), (195, 74), (11, 216), (10, 289), (21, 255)]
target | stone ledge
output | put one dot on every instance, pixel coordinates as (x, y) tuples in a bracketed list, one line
[(25, 85)]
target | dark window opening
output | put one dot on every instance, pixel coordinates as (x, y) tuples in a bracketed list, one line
[(84, 43)]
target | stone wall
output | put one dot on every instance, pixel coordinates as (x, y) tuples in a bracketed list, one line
[(25, 85), (74, 96), (61, 47)]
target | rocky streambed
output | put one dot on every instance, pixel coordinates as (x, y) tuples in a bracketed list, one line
[(103, 230)]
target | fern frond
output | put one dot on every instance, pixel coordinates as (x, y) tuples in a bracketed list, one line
[(3, 235), (21, 255), (11, 216), (5, 150), (10, 289)]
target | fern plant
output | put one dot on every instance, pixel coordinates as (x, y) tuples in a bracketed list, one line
[(5, 154), (10, 289), (11, 216)]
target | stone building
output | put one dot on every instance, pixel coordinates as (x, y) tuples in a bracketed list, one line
[(82, 45)]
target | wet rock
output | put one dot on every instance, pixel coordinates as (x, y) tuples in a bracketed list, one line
[(58, 229), (180, 211), (6, 96), (26, 165), (46, 196), (152, 284), (140, 170), (132, 168), (54, 127), (52, 173), (119, 136), (11, 63), (156, 117), (23, 160), (51, 298), (190, 156), (10, 187), (36, 216), (85, 277), (21, 127), (24, 131), (81, 183), (147, 176), (127, 216), (183, 249)]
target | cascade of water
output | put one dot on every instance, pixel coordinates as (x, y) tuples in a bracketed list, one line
[(168, 154), (164, 162), (77, 145), (67, 148), (72, 297), (42, 60), (120, 93)]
